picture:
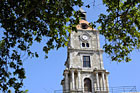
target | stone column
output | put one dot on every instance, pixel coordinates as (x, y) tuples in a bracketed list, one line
[(101, 59), (104, 84), (107, 82), (97, 78), (98, 40), (66, 82), (73, 84), (79, 79)]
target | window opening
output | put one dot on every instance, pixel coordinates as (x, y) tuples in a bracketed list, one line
[(86, 61), (87, 85), (83, 44), (83, 16), (84, 26), (87, 44)]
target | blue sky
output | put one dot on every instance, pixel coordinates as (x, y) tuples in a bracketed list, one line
[(45, 75)]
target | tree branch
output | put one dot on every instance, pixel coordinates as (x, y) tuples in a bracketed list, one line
[(129, 7), (28, 12)]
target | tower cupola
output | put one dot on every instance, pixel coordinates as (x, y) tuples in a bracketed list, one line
[(83, 14)]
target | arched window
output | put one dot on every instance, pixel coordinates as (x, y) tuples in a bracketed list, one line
[(87, 44), (84, 26), (83, 44), (87, 85)]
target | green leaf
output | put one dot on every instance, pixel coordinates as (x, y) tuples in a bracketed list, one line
[(36, 54)]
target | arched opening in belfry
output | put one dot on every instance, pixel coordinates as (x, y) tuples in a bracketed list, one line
[(87, 85), (83, 17)]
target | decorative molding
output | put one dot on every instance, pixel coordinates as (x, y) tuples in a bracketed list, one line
[(85, 50)]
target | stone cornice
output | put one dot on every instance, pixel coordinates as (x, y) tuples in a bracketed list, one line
[(66, 71), (85, 51), (100, 71)]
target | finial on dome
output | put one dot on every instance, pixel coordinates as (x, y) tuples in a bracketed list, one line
[(82, 10)]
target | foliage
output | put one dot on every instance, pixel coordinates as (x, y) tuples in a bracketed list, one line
[(27, 21), (121, 28)]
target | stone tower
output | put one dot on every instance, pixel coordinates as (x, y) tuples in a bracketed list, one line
[(84, 71)]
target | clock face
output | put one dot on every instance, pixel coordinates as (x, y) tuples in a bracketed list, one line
[(85, 37)]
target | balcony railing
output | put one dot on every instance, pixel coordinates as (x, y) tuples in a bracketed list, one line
[(121, 89)]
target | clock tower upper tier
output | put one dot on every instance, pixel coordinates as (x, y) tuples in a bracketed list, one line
[(84, 45), (86, 38)]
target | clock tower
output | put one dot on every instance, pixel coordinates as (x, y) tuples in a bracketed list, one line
[(84, 71)]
